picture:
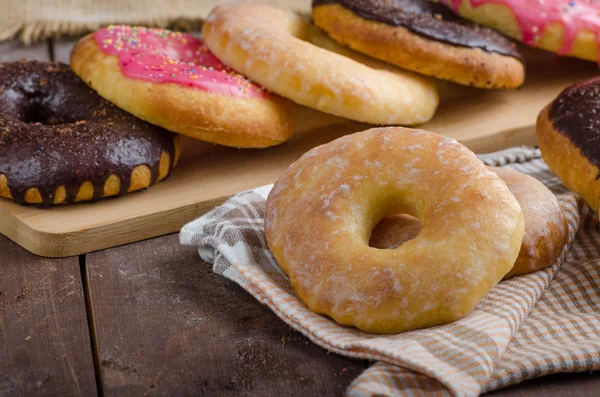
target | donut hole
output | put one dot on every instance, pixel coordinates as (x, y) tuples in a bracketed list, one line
[(37, 113), (393, 231), (40, 110), (54, 102)]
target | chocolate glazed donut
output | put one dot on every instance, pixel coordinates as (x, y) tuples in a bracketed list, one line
[(429, 19), (60, 142), (425, 37), (568, 134)]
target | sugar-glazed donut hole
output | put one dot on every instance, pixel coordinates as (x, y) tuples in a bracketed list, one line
[(393, 231), (385, 205)]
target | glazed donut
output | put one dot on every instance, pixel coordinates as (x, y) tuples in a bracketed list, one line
[(321, 211), (270, 46), (424, 37), (171, 79), (568, 130), (545, 224), (564, 27), (62, 143)]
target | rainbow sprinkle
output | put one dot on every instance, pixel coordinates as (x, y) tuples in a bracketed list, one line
[(165, 56)]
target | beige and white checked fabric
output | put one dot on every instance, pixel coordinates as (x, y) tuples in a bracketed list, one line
[(526, 327)]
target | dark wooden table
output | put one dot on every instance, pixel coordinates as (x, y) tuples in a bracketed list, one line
[(152, 319)]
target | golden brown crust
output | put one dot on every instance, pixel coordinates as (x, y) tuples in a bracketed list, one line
[(320, 214), (140, 179), (545, 224), (399, 46), (271, 46), (502, 18), (566, 161), (222, 119)]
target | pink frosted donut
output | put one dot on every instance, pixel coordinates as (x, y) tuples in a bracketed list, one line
[(565, 27), (171, 79)]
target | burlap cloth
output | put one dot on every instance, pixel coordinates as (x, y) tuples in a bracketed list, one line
[(33, 20), (526, 327)]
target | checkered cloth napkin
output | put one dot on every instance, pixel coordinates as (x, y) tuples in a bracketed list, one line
[(526, 327)]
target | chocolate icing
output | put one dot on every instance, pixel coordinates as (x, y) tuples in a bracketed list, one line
[(432, 20), (55, 130), (575, 113)]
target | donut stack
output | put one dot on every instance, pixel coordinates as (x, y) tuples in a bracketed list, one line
[(366, 60), (388, 230)]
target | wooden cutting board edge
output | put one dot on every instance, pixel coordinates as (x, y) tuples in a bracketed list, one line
[(58, 245)]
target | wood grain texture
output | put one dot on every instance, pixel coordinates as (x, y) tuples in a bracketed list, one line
[(44, 339), (167, 325), (209, 174)]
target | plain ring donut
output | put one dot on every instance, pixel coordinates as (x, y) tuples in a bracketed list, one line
[(62, 143), (425, 37), (321, 211), (171, 79), (271, 47), (545, 224)]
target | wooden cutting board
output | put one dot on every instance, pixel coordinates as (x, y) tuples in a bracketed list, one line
[(207, 175)]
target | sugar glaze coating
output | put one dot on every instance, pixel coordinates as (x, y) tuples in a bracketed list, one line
[(321, 211)]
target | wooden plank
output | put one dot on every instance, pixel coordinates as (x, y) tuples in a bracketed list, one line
[(167, 325), (44, 339), (14, 50), (561, 385)]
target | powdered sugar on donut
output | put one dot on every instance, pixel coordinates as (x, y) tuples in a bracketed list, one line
[(332, 197)]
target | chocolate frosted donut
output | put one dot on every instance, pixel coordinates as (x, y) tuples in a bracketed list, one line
[(423, 36), (568, 134), (62, 143)]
